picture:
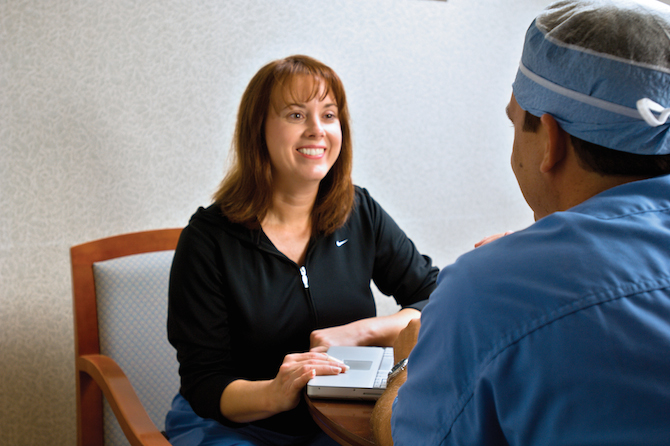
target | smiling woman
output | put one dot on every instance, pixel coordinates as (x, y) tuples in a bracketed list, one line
[(279, 268), (304, 139), (247, 192)]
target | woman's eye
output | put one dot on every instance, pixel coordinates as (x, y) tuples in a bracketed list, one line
[(295, 115), (330, 116)]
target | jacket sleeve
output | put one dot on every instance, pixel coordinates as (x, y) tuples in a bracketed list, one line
[(198, 323), (400, 269)]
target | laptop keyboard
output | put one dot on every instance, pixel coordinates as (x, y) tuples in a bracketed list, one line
[(380, 380), (384, 369)]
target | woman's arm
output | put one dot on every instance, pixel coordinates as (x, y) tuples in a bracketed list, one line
[(399, 269), (381, 331)]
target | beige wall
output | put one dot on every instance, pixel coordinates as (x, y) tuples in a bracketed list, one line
[(116, 116)]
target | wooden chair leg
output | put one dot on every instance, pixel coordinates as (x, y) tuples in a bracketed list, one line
[(89, 412)]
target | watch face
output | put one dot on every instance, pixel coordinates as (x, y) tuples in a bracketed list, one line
[(399, 367)]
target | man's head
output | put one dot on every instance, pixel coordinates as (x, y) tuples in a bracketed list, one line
[(600, 72), (601, 68)]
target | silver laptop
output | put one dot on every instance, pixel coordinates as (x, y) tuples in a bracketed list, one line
[(365, 379)]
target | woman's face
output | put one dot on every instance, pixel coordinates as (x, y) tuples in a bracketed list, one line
[(303, 137)]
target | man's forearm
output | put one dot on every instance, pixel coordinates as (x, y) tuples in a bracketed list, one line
[(381, 415)]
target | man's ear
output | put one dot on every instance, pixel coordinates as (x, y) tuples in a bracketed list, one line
[(556, 142)]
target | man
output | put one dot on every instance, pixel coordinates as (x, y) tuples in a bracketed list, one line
[(560, 333)]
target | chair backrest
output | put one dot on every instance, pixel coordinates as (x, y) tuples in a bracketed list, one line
[(120, 303)]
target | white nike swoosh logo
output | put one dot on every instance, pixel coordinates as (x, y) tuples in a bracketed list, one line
[(341, 242)]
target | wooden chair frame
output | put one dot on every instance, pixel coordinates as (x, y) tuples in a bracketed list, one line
[(97, 374)]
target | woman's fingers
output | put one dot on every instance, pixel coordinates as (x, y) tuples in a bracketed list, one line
[(313, 357)]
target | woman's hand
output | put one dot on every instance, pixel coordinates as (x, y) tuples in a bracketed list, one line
[(349, 334), (244, 401), (296, 371)]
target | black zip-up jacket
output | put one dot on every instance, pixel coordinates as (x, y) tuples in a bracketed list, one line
[(237, 305)]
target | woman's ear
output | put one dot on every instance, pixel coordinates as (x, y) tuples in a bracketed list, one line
[(555, 148)]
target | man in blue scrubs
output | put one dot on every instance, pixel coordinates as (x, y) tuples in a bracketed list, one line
[(560, 333)]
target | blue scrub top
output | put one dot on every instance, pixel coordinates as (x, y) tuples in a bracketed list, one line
[(557, 334)]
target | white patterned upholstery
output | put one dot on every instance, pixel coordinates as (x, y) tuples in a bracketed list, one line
[(132, 315)]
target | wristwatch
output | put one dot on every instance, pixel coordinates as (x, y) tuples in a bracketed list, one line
[(395, 371)]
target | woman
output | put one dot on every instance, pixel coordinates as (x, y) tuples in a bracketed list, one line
[(279, 268)]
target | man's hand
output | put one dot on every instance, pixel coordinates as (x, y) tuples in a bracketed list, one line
[(491, 238)]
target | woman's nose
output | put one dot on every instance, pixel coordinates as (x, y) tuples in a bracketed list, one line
[(315, 127)]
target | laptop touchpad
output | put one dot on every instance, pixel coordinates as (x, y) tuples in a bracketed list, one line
[(358, 365)]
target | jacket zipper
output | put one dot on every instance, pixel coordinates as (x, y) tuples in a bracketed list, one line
[(305, 279), (308, 295)]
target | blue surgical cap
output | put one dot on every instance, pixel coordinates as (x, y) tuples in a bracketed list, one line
[(601, 68)]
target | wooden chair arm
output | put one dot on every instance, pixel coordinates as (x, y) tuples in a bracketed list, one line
[(127, 407)]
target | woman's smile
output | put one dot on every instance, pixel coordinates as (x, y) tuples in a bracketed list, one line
[(312, 152)]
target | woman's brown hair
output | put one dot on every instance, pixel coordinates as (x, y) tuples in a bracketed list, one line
[(245, 194)]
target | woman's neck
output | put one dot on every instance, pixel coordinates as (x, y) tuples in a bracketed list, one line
[(288, 224), (290, 209)]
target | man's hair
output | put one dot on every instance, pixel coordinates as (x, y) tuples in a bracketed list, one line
[(604, 161), (245, 194)]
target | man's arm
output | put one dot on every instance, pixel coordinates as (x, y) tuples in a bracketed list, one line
[(381, 415)]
